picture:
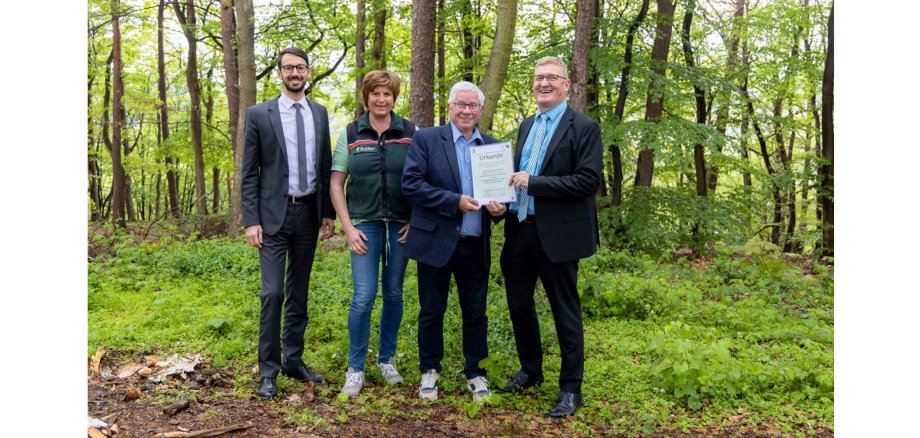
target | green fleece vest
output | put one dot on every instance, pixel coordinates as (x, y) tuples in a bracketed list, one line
[(375, 167)]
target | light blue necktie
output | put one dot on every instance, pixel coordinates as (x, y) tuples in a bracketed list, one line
[(535, 149)]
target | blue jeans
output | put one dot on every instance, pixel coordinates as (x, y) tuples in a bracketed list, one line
[(364, 273)]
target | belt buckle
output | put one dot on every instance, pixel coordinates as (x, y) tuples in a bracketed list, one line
[(294, 200)]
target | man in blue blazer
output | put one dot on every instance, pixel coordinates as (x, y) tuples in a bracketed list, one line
[(552, 225), (449, 235), (285, 193)]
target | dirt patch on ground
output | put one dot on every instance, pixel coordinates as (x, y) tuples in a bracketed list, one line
[(212, 399)]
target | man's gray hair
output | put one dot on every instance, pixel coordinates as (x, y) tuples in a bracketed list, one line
[(466, 86), (555, 60)]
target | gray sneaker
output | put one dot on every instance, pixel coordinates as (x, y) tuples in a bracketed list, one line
[(388, 370), (479, 386), (354, 381), (428, 390)]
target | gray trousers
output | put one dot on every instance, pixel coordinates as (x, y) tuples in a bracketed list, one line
[(285, 287)]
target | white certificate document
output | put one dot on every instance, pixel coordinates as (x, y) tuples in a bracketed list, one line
[(492, 166)]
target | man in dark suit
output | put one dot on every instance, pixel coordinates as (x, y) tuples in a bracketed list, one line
[(551, 226), (285, 193), (449, 235)]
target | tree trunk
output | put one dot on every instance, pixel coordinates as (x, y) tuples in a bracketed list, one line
[(421, 93), (92, 160), (745, 119), (442, 86), (232, 89), (497, 68), (378, 52), (172, 184), (593, 89), (215, 184), (129, 192), (771, 172), (699, 160), (467, 40), (722, 114), (616, 186), (190, 29), (654, 103), (245, 38), (360, 40), (826, 194), (581, 48), (118, 182)]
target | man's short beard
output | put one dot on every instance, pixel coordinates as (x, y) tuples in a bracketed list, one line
[(303, 84)]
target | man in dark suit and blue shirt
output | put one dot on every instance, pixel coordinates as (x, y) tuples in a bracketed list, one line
[(554, 224), (449, 235), (285, 194)]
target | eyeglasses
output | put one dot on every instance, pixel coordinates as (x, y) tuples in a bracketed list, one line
[(466, 106), (551, 78), (290, 68)]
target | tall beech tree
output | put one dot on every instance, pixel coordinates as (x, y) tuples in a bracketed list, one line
[(172, 182), (699, 159), (654, 102), (581, 48), (616, 183), (360, 39), (187, 18), (421, 91), (497, 68), (118, 172), (232, 90), (826, 170)]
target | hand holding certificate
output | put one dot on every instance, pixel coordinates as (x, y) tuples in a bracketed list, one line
[(492, 166)]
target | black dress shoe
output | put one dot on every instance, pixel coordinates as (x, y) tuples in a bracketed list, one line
[(520, 382), (566, 404), (267, 388), (303, 373)]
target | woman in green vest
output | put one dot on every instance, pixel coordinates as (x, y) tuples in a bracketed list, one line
[(367, 195)]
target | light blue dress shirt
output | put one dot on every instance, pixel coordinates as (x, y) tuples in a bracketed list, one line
[(472, 221), (552, 121)]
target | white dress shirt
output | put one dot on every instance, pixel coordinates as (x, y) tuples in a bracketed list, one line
[(289, 125)]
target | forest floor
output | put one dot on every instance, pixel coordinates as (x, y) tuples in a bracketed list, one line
[(206, 403), (170, 289)]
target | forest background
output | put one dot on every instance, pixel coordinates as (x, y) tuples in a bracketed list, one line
[(676, 173)]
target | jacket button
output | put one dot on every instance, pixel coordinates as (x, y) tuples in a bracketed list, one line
[(458, 228)]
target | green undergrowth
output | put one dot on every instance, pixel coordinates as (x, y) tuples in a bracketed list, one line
[(741, 338)]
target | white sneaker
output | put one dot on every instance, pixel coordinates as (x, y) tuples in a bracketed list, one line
[(354, 381), (428, 390), (388, 370), (479, 386)]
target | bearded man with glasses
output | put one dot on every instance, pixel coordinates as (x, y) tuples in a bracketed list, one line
[(552, 225), (285, 198), (449, 236)]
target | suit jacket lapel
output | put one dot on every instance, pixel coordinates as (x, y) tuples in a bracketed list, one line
[(318, 126), (564, 122), (274, 116), (522, 137), (450, 150)]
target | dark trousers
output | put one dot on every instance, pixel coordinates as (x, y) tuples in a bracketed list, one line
[(523, 260), (468, 268), (294, 245)]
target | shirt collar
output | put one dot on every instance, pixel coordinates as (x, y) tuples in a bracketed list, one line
[(286, 102), (554, 112), (457, 134)]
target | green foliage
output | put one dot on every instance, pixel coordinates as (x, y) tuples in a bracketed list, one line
[(754, 333), (690, 370), (657, 219)]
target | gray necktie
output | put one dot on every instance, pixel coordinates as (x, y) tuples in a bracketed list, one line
[(535, 149), (301, 148)]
